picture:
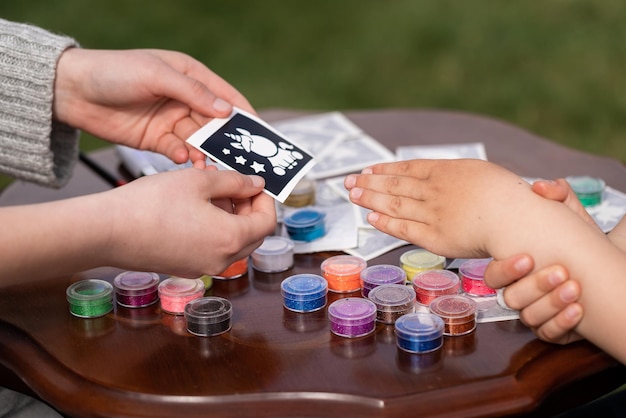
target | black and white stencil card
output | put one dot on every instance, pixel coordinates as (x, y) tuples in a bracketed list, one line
[(245, 143)]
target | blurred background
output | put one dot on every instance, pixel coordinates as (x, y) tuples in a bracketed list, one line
[(555, 67)]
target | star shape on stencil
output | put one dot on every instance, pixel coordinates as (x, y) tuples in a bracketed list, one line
[(225, 151), (240, 160), (257, 167)]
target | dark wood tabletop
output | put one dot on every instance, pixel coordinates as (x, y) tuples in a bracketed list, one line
[(276, 363)]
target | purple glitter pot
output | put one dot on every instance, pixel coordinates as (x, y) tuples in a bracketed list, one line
[(136, 289), (378, 275), (392, 301), (419, 332), (352, 317), (304, 292)]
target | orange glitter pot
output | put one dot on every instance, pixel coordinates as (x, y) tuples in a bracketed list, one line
[(343, 273), (235, 270)]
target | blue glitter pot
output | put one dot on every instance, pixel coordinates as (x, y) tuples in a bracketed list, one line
[(419, 332), (304, 292), (306, 225)]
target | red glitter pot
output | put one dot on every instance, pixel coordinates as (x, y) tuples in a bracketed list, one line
[(458, 313), (472, 274), (136, 289), (431, 284)]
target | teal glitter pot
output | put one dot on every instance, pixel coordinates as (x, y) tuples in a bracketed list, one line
[(306, 225), (304, 292), (588, 189), (90, 298)]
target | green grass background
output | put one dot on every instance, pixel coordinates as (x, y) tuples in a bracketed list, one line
[(554, 67)]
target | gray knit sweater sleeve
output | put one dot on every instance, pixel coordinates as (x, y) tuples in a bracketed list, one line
[(33, 147)]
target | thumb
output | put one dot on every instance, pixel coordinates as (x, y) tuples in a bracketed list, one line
[(231, 184)]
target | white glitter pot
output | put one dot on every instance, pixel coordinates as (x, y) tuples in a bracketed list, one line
[(274, 255)]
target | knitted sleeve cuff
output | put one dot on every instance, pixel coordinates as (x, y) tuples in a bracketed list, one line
[(33, 147)]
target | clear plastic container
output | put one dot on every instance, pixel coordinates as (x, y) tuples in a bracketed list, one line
[(431, 284), (419, 332), (458, 313), (392, 301), (352, 317), (343, 273), (380, 274), (274, 255), (208, 316), (304, 292), (136, 289), (176, 292)]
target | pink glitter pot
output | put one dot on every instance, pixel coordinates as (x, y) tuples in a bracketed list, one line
[(431, 284), (472, 274), (352, 317), (136, 289), (374, 276), (176, 292)]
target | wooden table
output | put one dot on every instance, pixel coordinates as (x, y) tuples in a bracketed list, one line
[(275, 363)]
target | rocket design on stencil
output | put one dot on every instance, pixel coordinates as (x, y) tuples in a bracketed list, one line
[(281, 156)]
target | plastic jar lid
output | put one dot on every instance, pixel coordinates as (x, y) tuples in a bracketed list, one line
[(352, 311), (454, 308), (382, 274), (136, 283), (436, 281), (275, 254), (474, 268), (304, 287), (90, 298), (304, 218), (343, 267), (419, 326), (421, 258), (208, 310), (392, 297), (90, 292), (588, 189), (176, 287)]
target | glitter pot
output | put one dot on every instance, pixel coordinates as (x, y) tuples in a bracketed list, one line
[(392, 301), (208, 316), (419, 332), (472, 274), (304, 292), (136, 289), (418, 260), (458, 313), (234, 271), (352, 317), (431, 284), (274, 255), (588, 189), (302, 195), (176, 292), (306, 225), (343, 272), (374, 276), (90, 298)]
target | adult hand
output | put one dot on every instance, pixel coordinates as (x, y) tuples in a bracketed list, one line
[(182, 229), (147, 99)]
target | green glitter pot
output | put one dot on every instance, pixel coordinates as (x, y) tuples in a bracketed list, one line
[(90, 298), (588, 189)]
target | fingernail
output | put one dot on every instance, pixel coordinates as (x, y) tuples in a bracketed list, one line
[(350, 181), (366, 170), (257, 181), (572, 312), (523, 264), (556, 277), (356, 193), (221, 105), (372, 217), (568, 294)]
